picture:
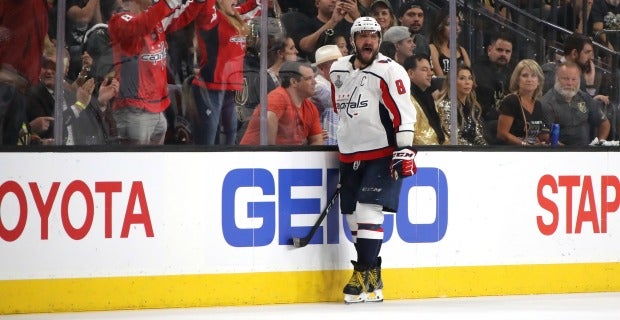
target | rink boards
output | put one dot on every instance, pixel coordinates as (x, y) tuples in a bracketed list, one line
[(106, 231)]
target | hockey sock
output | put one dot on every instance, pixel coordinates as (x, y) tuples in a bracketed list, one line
[(367, 250)]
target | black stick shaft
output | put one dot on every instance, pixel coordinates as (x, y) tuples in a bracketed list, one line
[(302, 242)]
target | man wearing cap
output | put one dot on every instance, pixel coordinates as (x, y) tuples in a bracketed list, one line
[(403, 43), (292, 119), (322, 98), (411, 15)]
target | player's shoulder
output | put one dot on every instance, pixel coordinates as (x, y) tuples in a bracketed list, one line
[(385, 66), (342, 63)]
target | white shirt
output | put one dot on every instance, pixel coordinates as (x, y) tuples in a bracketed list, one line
[(375, 107)]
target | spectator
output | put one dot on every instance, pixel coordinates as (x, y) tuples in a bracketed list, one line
[(579, 49), (469, 120), (363, 7), (41, 100), (388, 49), (282, 51), (440, 45), (575, 111), (492, 72), (521, 120), (81, 16), (428, 129), (411, 15), (343, 46), (137, 36), (12, 107), (581, 22), (221, 34), (81, 118), (328, 23), (249, 97), (605, 15), (97, 44), (494, 8), (404, 44), (95, 125), (23, 28), (384, 14), (322, 98), (292, 119)]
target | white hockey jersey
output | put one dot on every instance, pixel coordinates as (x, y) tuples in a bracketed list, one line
[(374, 104)]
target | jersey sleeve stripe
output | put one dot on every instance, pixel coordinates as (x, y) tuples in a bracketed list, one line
[(390, 104)]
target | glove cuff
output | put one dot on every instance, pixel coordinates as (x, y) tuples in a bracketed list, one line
[(404, 139)]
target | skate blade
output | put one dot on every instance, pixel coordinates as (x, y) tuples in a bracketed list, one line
[(353, 298), (375, 296)]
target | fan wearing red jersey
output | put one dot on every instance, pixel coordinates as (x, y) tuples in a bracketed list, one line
[(221, 33), (138, 40)]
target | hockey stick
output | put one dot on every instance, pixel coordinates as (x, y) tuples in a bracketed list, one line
[(302, 242)]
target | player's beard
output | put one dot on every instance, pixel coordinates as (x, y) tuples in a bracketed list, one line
[(366, 62)]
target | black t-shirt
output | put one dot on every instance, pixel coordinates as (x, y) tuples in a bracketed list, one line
[(511, 106), (343, 28)]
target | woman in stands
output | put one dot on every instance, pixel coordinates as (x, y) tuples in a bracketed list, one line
[(521, 120), (469, 121), (221, 33), (440, 45), (383, 12)]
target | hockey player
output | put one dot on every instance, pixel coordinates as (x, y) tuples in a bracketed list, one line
[(371, 95)]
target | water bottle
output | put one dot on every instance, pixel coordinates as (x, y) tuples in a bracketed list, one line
[(554, 134)]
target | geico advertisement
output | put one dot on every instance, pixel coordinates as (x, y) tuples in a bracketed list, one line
[(112, 214)]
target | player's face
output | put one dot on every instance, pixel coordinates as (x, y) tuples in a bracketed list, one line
[(500, 52), (366, 46)]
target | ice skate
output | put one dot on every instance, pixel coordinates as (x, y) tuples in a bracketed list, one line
[(355, 290), (375, 283)]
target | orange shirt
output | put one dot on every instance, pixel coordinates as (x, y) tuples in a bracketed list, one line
[(295, 125)]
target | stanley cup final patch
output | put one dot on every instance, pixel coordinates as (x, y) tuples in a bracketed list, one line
[(338, 82)]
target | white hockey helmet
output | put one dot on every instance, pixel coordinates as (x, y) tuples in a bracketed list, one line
[(365, 24)]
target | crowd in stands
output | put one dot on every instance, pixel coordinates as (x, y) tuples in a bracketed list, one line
[(188, 71)]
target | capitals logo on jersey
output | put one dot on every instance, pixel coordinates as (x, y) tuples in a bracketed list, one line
[(349, 104)]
